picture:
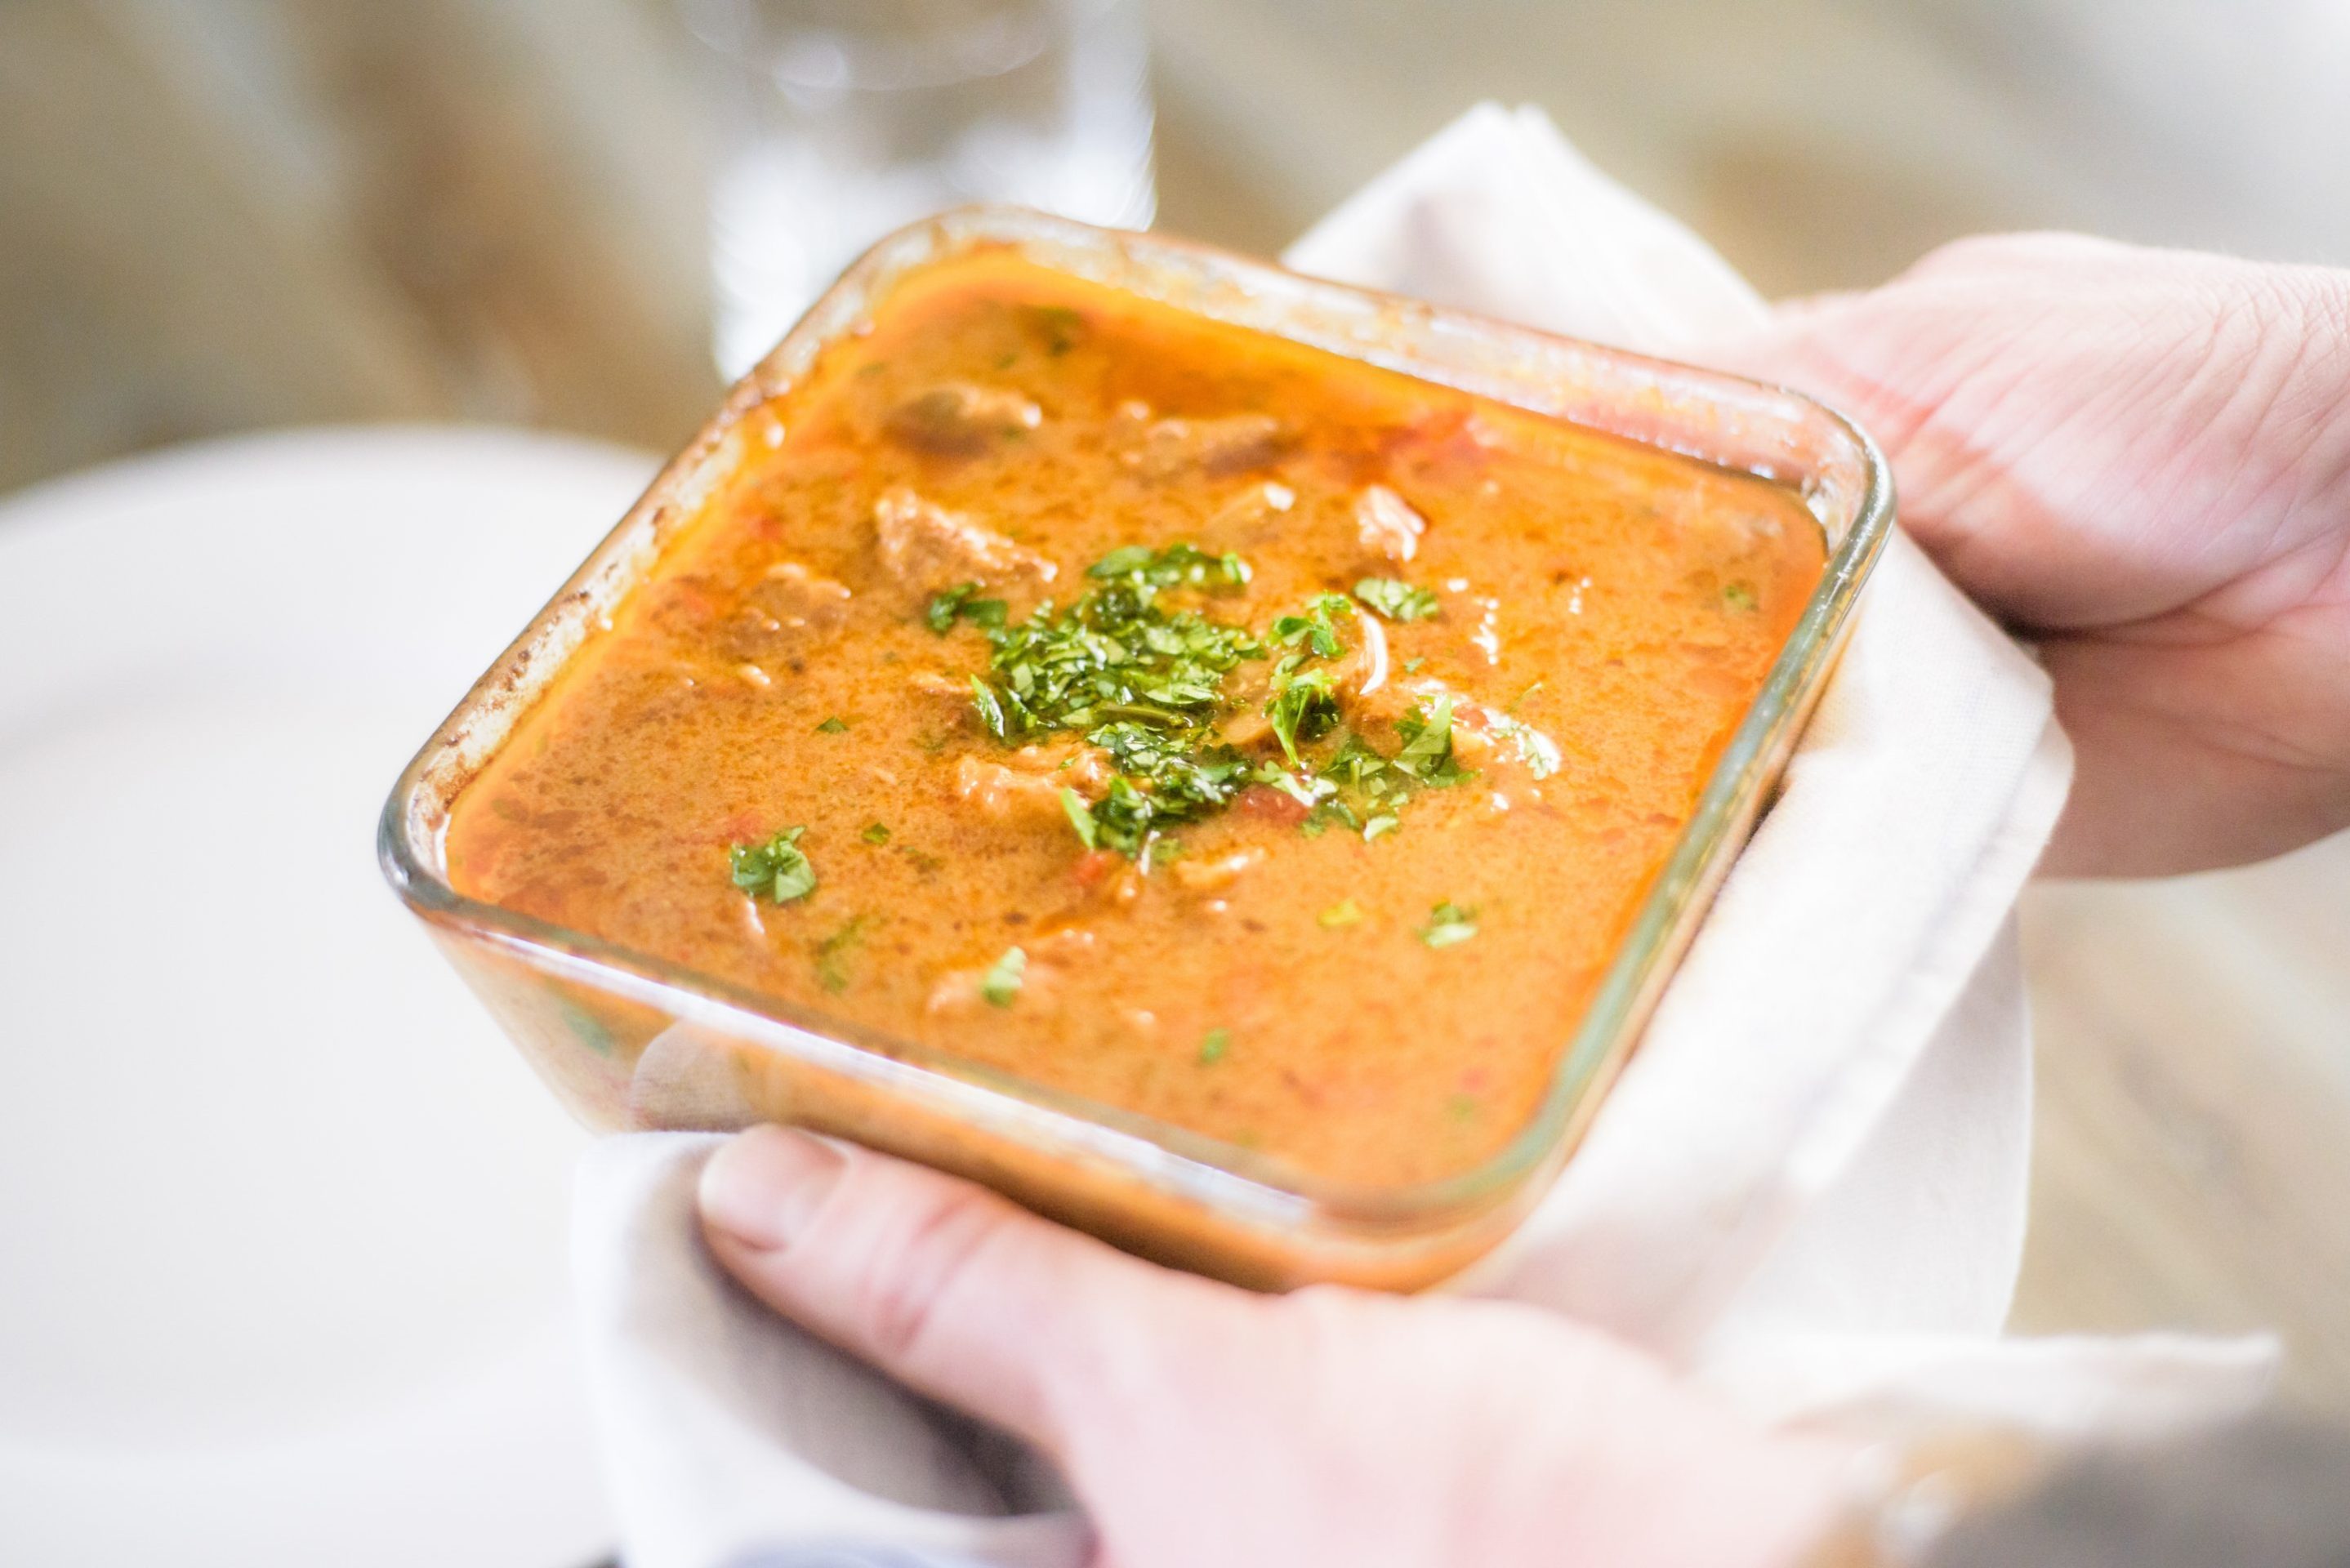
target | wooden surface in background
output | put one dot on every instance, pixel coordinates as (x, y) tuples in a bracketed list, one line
[(269, 212)]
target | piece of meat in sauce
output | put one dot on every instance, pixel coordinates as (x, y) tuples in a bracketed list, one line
[(1218, 446), (929, 549), (1026, 787), (786, 609), (958, 418), (1389, 525), (1216, 874), (1251, 520)]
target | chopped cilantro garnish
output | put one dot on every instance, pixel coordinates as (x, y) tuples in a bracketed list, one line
[(1397, 600), (1146, 684), (1447, 924), (1741, 597), (1058, 325), (1314, 628), (1002, 982), (1164, 779), (1302, 701), (1081, 817), (1215, 1045), (779, 867), (946, 605), (1340, 915), (1317, 821), (1306, 792), (874, 833), (950, 605), (831, 973), (990, 711), (1427, 753), (1140, 681), (1176, 567), (1116, 654), (835, 725), (1379, 826)]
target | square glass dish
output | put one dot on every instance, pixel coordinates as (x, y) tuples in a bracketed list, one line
[(629, 1039)]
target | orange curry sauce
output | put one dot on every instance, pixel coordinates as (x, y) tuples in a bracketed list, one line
[(1366, 960)]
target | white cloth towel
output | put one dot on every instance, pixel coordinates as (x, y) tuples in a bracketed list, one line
[(1809, 1184)]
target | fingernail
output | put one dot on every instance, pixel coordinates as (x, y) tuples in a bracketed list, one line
[(763, 1187)]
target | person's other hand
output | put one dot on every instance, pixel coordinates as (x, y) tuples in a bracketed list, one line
[(1201, 1424), (2141, 459)]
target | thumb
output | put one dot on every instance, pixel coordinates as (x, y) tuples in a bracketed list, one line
[(949, 1288)]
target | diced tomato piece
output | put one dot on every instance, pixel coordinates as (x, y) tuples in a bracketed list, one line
[(1093, 865)]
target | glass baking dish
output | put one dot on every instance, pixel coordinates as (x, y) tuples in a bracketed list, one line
[(630, 1040)]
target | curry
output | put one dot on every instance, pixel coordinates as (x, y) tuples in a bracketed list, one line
[(1174, 715)]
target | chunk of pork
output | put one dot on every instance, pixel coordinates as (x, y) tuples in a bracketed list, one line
[(928, 548)]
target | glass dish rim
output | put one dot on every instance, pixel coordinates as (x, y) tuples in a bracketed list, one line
[(1230, 1177)]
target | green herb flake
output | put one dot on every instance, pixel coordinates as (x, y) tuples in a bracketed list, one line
[(1427, 753), (1314, 628), (1216, 1046), (831, 970), (951, 605), (1340, 914), (1058, 325), (1300, 704), (835, 725), (1081, 817), (1001, 984), (1741, 597), (946, 606), (1462, 1107), (1398, 600), (875, 833), (1378, 827), (1448, 925), (779, 867), (1179, 566), (991, 709)]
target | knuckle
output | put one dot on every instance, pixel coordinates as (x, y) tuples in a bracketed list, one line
[(919, 1271)]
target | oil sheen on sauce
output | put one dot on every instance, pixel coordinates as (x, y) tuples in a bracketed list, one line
[(1381, 704)]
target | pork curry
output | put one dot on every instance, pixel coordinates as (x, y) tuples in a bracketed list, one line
[(1175, 715)]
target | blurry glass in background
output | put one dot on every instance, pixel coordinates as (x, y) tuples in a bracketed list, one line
[(839, 120)]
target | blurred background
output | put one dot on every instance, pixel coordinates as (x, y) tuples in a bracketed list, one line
[(226, 214), (231, 216)]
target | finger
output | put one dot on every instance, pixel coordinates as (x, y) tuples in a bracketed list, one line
[(948, 1287)]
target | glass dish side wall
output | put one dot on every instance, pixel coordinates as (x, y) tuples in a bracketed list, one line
[(630, 1040)]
